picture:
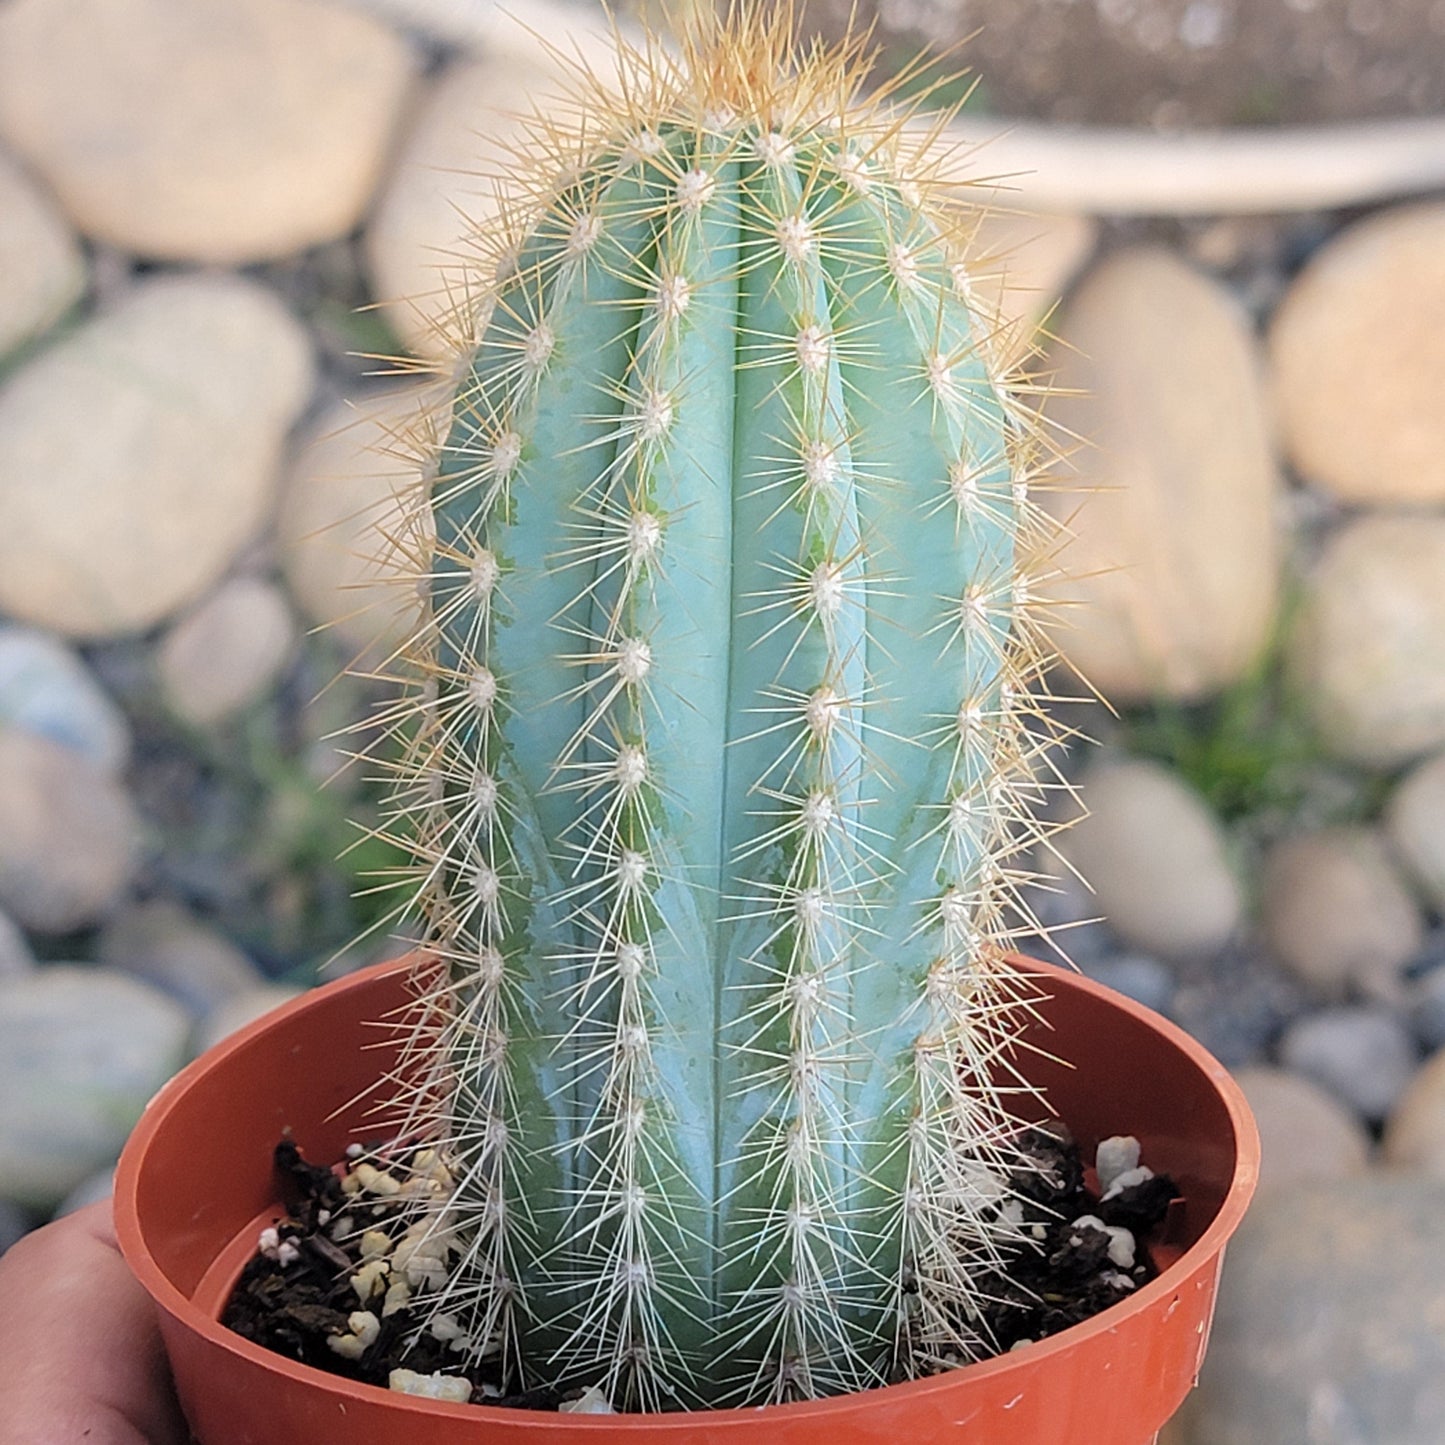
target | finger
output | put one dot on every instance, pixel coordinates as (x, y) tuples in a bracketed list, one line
[(82, 1354)]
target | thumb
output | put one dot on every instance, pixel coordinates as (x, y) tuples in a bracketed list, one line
[(78, 1335)]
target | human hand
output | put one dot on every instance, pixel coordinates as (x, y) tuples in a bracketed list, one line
[(80, 1355)]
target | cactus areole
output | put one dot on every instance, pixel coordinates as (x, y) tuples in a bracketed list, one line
[(718, 754)]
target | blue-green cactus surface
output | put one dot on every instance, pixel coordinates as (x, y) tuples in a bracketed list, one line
[(722, 757)]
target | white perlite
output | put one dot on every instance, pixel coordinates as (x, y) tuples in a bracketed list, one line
[(593, 1402), (1127, 1180), (1121, 1241), (362, 1329), (1115, 1156), (430, 1387)]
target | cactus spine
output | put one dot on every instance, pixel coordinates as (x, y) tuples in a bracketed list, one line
[(719, 759)]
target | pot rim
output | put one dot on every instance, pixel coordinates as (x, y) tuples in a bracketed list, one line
[(1210, 1243)]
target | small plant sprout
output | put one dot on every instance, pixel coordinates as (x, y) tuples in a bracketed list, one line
[(720, 754)]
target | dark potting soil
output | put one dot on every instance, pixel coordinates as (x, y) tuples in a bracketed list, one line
[(293, 1301), (1070, 1277), (298, 1293)]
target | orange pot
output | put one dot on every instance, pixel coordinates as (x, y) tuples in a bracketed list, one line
[(195, 1185)]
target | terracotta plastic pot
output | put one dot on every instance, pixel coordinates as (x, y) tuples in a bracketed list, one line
[(195, 1185)]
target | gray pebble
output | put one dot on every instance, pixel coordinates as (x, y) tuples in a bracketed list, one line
[(1427, 1008), (163, 944), (223, 655), (45, 688), (1415, 1132), (1156, 858), (14, 1224), (1415, 821), (1237, 1005), (68, 835), (241, 1009), (89, 1191), (1067, 912), (1337, 914), (1305, 1132), (1361, 1053), (81, 1051), (1424, 990), (1136, 976), (15, 954), (1327, 1330)]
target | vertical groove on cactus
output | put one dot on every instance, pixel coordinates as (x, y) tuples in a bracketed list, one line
[(720, 755)]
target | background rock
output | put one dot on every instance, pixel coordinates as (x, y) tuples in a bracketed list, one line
[(15, 954), (1066, 912), (42, 270), (1337, 914), (1368, 646), (1415, 1135), (1415, 825), (1328, 1327), (164, 945), (350, 489), (68, 835), (1361, 1053), (1136, 976), (241, 1009), (421, 246), (1236, 1003), (81, 1051), (1358, 350), (137, 455), (14, 1224), (46, 689), (1306, 1133), (226, 652), (1155, 857), (1025, 260), (1171, 570), (1173, 1432), (202, 130), (88, 1191), (1425, 995)]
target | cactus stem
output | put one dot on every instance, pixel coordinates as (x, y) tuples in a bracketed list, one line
[(715, 762)]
